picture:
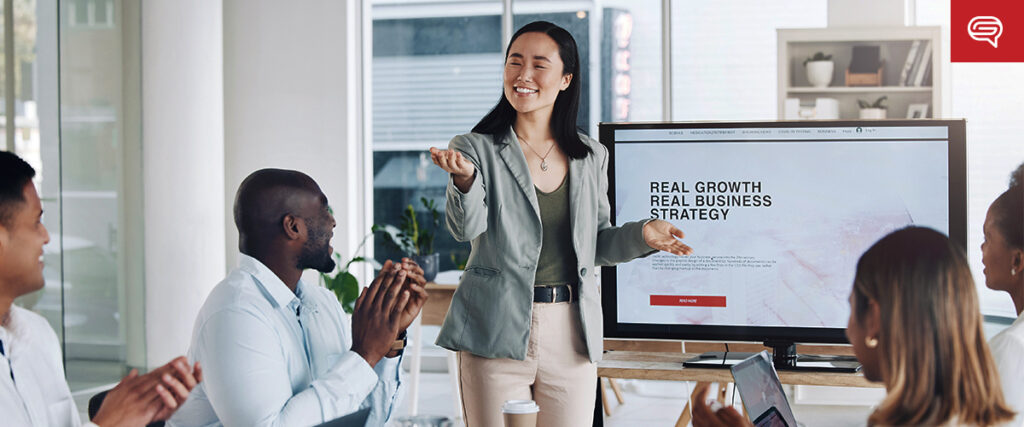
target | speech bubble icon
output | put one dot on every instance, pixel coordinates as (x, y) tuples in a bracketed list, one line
[(985, 29)]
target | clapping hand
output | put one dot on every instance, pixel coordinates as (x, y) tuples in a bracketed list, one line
[(416, 286), (664, 236), (141, 399), (179, 378), (378, 313)]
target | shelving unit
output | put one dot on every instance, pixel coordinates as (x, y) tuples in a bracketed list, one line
[(795, 45)]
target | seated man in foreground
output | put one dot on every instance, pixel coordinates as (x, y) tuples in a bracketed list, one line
[(32, 387), (278, 351)]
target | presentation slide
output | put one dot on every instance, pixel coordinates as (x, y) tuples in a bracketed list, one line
[(776, 227)]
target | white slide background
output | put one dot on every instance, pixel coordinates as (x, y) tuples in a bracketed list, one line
[(790, 264)]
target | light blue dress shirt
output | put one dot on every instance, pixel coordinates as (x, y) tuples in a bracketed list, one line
[(271, 357)]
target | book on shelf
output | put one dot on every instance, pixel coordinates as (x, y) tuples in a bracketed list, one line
[(927, 76), (866, 59), (925, 63), (909, 63)]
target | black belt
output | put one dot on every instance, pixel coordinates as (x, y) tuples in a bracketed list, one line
[(558, 293)]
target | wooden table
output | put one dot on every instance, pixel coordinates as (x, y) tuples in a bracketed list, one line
[(439, 297), (659, 360), (669, 366)]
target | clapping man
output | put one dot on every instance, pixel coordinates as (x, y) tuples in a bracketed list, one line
[(32, 387), (280, 352)]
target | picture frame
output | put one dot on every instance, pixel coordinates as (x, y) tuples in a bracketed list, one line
[(917, 111)]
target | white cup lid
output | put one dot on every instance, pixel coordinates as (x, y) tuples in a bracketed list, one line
[(520, 407)]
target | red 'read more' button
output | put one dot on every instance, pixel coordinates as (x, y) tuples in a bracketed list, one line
[(687, 301)]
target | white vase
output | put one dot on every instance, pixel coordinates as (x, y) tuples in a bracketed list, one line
[(872, 113), (819, 73)]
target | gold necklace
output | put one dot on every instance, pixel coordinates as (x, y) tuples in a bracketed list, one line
[(543, 159)]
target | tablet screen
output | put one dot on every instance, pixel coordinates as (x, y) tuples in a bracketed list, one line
[(760, 388)]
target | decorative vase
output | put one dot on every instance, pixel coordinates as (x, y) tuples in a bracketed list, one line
[(872, 113), (819, 73), (429, 264)]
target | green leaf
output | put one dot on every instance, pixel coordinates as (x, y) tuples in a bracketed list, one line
[(397, 239), (412, 237), (333, 284), (349, 291), (376, 265), (818, 56)]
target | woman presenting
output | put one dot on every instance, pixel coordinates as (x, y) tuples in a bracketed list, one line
[(530, 193)]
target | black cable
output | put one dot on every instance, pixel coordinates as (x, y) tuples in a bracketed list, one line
[(733, 401)]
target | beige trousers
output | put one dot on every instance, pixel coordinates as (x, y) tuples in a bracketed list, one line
[(557, 374)]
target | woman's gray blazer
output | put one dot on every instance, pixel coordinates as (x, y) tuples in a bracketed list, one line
[(490, 312)]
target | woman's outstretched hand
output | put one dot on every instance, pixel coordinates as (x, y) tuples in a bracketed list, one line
[(452, 162), (455, 163), (664, 236)]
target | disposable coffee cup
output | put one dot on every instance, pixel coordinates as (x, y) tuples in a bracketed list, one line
[(520, 413)]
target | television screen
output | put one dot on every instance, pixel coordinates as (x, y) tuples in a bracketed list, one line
[(777, 213)]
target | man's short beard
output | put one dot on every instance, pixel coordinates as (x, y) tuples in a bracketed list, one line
[(316, 253)]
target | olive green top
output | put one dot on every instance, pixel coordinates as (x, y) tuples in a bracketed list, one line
[(499, 214), (557, 262)]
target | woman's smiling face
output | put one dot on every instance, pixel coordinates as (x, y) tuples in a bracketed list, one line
[(534, 73)]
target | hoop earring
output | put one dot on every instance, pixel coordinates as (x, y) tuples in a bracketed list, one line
[(871, 342), (1013, 271)]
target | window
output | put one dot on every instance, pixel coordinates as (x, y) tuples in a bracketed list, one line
[(77, 141), (90, 13), (437, 71)]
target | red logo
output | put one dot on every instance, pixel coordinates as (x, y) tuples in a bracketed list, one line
[(987, 31)]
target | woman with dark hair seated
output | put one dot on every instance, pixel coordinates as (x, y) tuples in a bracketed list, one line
[(1002, 253), (916, 327)]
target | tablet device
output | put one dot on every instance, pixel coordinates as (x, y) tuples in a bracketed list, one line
[(772, 418), (355, 419), (761, 391)]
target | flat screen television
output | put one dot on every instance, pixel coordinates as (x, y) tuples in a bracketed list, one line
[(778, 214)]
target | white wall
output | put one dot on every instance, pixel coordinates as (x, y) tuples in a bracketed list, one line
[(868, 13), (183, 167), (250, 84), (289, 93)]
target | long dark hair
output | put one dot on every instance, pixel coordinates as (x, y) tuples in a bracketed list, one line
[(934, 360), (567, 104)]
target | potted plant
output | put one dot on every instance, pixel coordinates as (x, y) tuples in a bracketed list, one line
[(345, 285), (819, 69), (875, 110), (415, 238)]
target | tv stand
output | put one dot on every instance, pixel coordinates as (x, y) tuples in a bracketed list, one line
[(783, 353), (784, 357)]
